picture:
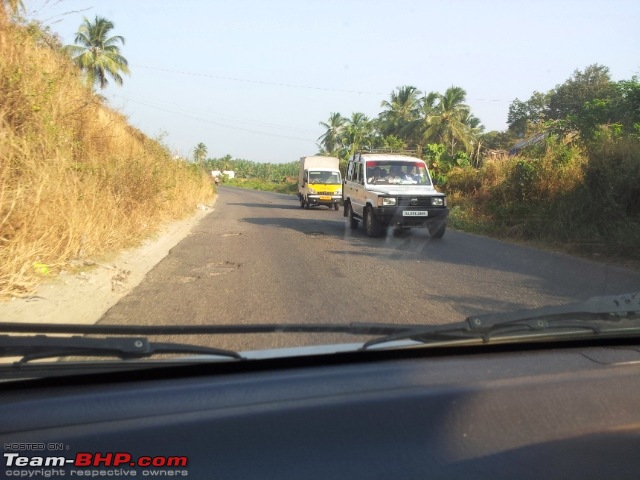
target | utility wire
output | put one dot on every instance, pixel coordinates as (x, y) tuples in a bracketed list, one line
[(259, 82), (288, 85), (165, 104), (216, 123)]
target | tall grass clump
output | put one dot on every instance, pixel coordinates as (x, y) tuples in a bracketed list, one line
[(586, 198), (76, 180)]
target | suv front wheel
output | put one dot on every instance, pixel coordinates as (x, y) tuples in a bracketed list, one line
[(372, 225), (437, 230)]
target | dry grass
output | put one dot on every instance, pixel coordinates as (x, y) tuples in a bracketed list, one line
[(75, 179), (579, 200)]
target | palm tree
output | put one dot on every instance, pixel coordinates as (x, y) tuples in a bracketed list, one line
[(475, 131), (200, 153), (358, 133), (447, 122), (97, 54), (402, 109), (416, 128), (330, 140)]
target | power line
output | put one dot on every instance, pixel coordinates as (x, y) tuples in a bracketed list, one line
[(167, 104), (288, 85), (259, 82), (216, 123)]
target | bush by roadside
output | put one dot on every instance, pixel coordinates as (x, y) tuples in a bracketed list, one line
[(584, 200)]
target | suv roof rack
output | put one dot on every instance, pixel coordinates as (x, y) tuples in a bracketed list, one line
[(387, 150)]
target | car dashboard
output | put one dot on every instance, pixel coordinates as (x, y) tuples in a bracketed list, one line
[(514, 411)]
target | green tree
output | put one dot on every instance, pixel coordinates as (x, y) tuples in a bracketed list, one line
[(200, 153), (358, 133), (627, 104), (447, 121), (496, 140), (620, 111), (392, 143), (330, 141), (569, 98), (413, 131), (527, 118), (97, 54), (401, 110)]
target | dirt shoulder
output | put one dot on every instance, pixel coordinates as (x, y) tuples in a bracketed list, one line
[(83, 297)]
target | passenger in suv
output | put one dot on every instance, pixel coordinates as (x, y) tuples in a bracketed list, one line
[(403, 198)]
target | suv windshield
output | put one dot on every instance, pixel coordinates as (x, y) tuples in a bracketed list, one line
[(397, 173)]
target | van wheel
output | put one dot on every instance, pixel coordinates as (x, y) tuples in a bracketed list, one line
[(371, 223), (335, 206)]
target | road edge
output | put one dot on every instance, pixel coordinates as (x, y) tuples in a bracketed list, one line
[(83, 297)]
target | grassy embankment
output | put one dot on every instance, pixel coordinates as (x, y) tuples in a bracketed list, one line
[(76, 180), (582, 200)]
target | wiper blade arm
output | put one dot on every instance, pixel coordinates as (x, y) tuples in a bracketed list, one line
[(210, 329), (617, 314), (42, 346), (595, 307)]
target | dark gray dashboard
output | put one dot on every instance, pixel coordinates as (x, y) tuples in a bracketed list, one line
[(563, 413)]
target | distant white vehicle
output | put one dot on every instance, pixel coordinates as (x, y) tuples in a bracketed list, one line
[(229, 173)]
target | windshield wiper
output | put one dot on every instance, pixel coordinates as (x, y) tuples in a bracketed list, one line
[(619, 315), (42, 346), (611, 315), (211, 329)]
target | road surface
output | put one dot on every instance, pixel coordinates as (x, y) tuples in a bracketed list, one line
[(259, 258)]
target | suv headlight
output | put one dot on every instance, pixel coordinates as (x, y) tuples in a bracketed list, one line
[(437, 201), (387, 201), (312, 191), (338, 192)]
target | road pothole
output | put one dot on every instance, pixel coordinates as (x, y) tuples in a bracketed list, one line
[(213, 269), (217, 268)]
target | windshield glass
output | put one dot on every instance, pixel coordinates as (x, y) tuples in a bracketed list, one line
[(328, 178), (187, 163), (397, 173)]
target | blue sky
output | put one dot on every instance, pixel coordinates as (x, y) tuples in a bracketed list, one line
[(253, 79)]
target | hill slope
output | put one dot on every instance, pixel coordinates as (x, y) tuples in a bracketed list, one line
[(76, 180)]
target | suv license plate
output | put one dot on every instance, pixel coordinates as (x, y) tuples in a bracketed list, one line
[(415, 214), (324, 197)]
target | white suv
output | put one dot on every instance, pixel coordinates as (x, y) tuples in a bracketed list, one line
[(389, 190)]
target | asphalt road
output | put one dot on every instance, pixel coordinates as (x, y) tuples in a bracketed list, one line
[(259, 258)]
